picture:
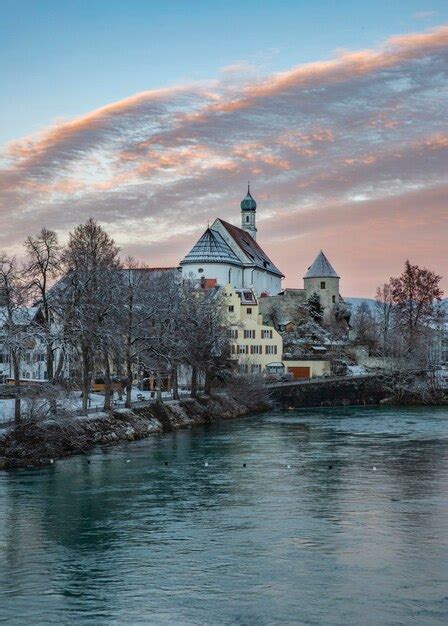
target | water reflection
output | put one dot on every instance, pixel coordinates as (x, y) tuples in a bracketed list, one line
[(164, 539)]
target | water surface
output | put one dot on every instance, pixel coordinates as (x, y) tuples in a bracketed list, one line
[(164, 539)]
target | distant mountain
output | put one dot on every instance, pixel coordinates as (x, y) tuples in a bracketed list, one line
[(354, 302)]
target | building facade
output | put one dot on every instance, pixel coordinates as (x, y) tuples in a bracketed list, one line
[(231, 255), (254, 345)]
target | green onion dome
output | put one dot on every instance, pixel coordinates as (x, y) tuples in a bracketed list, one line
[(248, 204)]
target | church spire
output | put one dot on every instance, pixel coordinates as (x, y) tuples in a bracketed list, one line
[(248, 212)]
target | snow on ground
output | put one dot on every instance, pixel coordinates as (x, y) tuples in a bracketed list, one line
[(73, 402), (356, 370)]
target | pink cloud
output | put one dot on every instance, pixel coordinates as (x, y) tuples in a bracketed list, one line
[(324, 144)]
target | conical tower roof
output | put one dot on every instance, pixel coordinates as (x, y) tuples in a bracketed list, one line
[(211, 248), (321, 268)]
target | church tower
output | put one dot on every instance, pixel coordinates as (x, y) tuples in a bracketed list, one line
[(248, 211)]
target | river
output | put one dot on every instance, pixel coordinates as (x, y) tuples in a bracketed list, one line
[(339, 516)]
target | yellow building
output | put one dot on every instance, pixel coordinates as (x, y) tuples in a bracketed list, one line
[(254, 344)]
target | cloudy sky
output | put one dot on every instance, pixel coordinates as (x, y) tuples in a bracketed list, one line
[(151, 117)]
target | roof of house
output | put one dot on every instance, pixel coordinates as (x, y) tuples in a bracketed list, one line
[(251, 248), (321, 268), (246, 296), (211, 248), (20, 317)]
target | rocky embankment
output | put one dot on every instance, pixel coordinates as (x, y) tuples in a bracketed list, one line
[(40, 443)]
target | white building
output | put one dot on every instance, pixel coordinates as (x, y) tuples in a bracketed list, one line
[(232, 255)]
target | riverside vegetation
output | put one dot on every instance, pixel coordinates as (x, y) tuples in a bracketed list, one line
[(40, 442)]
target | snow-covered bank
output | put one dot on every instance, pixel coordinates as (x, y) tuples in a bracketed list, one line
[(72, 402), (39, 443)]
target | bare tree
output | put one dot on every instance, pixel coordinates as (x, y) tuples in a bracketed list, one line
[(384, 307), (205, 338), (14, 320), (91, 260), (364, 326), (43, 266), (415, 295)]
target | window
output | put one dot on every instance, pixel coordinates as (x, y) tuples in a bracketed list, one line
[(200, 270), (249, 334), (244, 368), (247, 218), (271, 350), (333, 299), (266, 334), (231, 308), (256, 368), (322, 284), (243, 349), (256, 349), (249, 310), (232, 333)]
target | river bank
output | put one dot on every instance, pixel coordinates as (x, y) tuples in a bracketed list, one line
[(34, 444)]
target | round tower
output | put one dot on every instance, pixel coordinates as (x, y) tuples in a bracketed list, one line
[(322, 279), (248, 213)]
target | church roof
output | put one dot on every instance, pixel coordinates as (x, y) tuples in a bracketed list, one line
[(251, 248), (321, 268), (211, 248)]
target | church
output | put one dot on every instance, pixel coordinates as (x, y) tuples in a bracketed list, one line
[(231, 255), (228, 255)]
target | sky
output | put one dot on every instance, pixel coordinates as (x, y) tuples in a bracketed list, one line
[(151, 117)]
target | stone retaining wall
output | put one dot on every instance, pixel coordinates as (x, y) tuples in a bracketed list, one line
[(40, 443), (334, 392)]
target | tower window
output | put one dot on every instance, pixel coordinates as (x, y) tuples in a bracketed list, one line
[(247, 218), (333, 299), (322, 284)]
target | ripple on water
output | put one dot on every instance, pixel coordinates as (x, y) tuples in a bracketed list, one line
[(166, 539)]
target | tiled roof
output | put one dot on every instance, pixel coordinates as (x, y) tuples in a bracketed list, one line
[(246, 296), (321, 268), (211, 248), (251, 248)]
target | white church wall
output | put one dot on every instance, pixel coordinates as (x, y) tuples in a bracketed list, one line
[(223, 272)]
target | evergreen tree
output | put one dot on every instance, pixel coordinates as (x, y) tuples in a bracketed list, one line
[(315, 308)]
